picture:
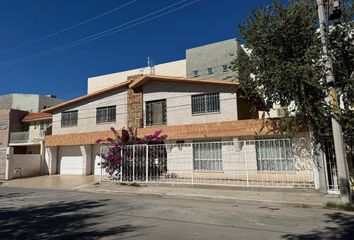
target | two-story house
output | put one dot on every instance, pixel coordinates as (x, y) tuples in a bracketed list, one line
[(26, 147), (207, 115), (19, 133)]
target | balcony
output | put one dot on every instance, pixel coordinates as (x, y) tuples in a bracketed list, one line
[(23, 138)]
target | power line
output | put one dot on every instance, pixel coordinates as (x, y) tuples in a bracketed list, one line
[(123, 99), (205, 77), (67, 28), (125, 113), (99, 35)]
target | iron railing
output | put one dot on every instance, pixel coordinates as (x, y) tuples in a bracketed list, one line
[(27, 137), (249, 163)]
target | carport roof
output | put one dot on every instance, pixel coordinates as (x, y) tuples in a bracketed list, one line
[(37, 116)]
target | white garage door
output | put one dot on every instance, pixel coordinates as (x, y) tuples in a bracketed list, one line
[(70, 160), (71, 165)]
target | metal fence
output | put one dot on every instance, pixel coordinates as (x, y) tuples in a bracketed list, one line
[(250, 163), (331, 162)]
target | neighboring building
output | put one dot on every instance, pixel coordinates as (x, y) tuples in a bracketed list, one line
[(209, 61), (212, 61), (211, 133), (205, 62), (28, 102), (20, 135), (175, 68), (10, 121), (26, 148)]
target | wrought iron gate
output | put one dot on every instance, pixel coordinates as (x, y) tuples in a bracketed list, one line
[(331, 163), (143, 162)]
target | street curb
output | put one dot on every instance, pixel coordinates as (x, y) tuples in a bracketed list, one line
[(205, 197)]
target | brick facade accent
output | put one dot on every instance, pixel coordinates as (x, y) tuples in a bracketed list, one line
[(241, 128)]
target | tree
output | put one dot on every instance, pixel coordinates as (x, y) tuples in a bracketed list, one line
[(285, 66)]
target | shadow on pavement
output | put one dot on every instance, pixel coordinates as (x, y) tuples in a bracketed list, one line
[(60, 220), (344, 229)]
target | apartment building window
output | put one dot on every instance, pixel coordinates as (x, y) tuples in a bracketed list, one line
[(205, 103), (274, 155), (196, 73), (225, 68), (207, 156), (210, 71), (106, 114), (156, 112), (69, 119)]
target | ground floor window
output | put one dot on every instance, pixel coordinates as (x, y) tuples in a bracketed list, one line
[(207, 155), (274, 155)]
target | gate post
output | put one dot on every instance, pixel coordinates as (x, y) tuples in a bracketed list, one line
[(121, 164), (133, 163), (246, 165), (192, 165), (147, 163)]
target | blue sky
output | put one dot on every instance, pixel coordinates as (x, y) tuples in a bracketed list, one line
[(64, 73)]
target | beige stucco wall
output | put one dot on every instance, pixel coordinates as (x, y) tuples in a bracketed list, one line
[(179, 103), (30, 164), (87, 114), (175, 68)]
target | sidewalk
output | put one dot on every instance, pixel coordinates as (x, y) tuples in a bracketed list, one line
[(297, 197)]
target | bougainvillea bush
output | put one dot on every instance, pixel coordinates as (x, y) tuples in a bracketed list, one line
[(112, 159)]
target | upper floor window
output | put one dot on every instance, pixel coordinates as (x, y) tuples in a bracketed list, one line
[(225, 68), (106, 114), (196, 73), (205, 103), (155, 112), (210, 71), (69, 119)]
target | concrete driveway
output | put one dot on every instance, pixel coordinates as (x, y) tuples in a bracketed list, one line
[(64, 182)]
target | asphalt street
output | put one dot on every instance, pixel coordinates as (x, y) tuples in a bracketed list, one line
[(61, 214)]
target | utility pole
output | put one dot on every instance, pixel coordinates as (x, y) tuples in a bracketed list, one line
[(342, 164)]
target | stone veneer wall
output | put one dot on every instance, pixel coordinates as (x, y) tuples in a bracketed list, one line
[(135, 105), (135, 108)]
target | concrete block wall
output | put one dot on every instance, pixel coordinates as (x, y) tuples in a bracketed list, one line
[(87, 114), (179, 102), (214, 56)]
